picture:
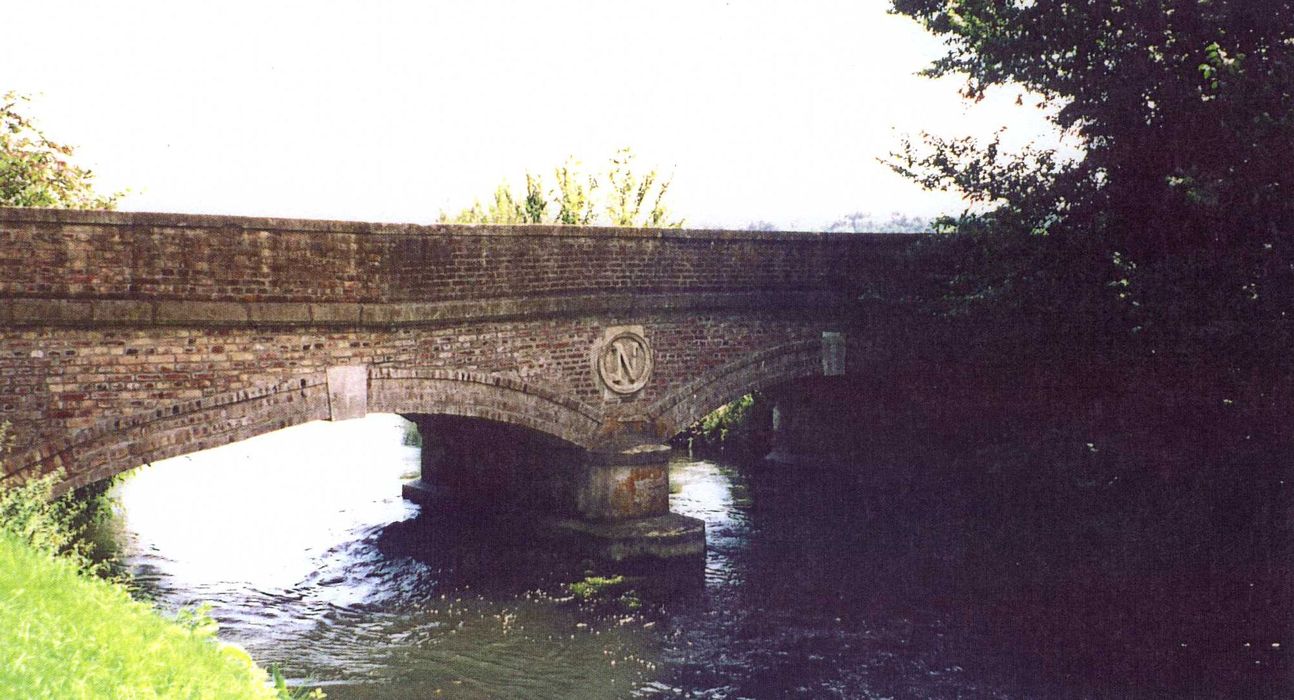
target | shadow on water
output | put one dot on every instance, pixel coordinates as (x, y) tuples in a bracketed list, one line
[(816, 583), (880, 583), (463, 549), (311, 560)]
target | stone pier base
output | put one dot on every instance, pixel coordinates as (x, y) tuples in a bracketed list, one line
[(623, 506), (668, 536), (421, 492), (610, 503)]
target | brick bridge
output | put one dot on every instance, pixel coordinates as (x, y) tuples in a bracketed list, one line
[(127, 338)]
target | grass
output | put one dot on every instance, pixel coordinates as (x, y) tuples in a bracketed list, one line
[(66, 635)]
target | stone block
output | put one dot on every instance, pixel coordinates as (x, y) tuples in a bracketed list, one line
[(53, 311), (833, 354), (377, 314), (668, 537), (220, 312), (348, 392), (279, 312), (627, 482), (123, 311), (335, 313)]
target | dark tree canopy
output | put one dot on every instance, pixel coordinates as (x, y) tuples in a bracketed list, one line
[(1184, 110)]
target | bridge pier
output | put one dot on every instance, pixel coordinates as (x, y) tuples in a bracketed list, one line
[(612, 502), (426, 489), (822, 421), (622, 501)]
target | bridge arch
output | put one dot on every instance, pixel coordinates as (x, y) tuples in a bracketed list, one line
[(115, 445), (493, 397), (118, 444), (772, 366)]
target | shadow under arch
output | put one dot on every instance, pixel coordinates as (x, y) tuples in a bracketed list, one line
[(487, 465), (777, 365)]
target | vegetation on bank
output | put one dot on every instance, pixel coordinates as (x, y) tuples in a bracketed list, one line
[(735, 428), (1107, 338), (69, 627), (66, 635), (1168, 241), (59, 527)]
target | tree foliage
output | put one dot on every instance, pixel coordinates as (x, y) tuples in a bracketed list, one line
[(1132, 305), (36, 171), (619, 197), (1176, 222)]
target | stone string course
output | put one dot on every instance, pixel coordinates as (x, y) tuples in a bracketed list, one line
[(128, 338)]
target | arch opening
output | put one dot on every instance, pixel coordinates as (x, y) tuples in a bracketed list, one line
[(268, 510), (489, 465), (720, 386), (816, 419)]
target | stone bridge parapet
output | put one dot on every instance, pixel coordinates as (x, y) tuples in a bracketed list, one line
[(128, 337)]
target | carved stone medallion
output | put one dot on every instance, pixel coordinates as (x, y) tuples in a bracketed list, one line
[(625, 362)]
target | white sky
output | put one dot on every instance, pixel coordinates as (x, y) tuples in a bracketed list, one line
[(393, 111)]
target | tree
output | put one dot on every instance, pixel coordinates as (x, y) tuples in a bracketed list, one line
[(1184, 109), (1153, 276), (630, 200), (1181, 207), (36, 171)]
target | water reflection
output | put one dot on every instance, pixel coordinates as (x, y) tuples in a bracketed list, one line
[(816, 584), (312, 560)]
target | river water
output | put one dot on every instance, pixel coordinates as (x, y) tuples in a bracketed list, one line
[(816, 583)]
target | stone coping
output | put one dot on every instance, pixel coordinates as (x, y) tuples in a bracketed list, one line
[(96, 313), (173, 220)]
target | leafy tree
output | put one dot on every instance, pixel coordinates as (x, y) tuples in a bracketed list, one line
[(1184, 109), (630, 199), (1139, 296), (36, 171), (1176, 222)]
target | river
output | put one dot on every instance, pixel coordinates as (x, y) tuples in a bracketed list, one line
[(816, 583)]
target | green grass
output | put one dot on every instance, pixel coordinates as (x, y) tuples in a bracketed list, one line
[(65, 635)]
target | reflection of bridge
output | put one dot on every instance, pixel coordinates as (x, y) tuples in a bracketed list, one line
[(128, 338)]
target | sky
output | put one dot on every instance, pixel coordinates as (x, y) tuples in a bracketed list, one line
[(396, 111)]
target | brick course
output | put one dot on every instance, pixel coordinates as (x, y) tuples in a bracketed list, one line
[(127, 338)]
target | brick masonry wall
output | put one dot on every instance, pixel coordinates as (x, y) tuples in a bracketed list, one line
[(48, 254), (127, 338)]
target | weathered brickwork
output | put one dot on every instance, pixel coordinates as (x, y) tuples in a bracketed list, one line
[(46, 254), (127, 338)]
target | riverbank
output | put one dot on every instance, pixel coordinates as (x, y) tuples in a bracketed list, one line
[(71, 625), (67, 635)]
